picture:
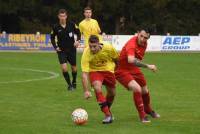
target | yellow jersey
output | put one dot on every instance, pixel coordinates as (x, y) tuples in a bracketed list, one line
[(104, 60), (89, 27)]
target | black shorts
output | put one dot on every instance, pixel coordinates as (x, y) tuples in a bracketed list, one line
[(65, 57)]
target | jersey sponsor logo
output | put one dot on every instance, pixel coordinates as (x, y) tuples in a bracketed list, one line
[(176, 43), (101, 63)]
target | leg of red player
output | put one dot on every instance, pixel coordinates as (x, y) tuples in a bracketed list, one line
[(147, 103), (137, 97)]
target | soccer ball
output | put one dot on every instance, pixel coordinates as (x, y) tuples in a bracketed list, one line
[(79, 116)]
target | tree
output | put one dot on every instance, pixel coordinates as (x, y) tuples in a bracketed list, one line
[(115, 17)]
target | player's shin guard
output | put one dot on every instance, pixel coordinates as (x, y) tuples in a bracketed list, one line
[(74, 75), (102, 103), (146, 101), (137, 97), (67, 78)]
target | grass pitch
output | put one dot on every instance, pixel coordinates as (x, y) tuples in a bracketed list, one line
[(34, 97)]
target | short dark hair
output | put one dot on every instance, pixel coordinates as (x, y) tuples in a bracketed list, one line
[(94, 39), (87, 8), (147, 30), (61, 11)]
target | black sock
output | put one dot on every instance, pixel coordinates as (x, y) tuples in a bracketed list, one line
[(109, 104), (67, 78), (74, 75)]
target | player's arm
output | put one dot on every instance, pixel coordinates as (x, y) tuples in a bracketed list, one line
[(114, 54), (133, 60), (139, 63), (80, 28), (53, 42), (98, 28), (87, 93)]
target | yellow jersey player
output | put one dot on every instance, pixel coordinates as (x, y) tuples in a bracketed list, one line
[(87, 27), (102, 58)]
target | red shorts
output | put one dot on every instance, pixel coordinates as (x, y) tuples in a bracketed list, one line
[(124, 77), (107, 78)]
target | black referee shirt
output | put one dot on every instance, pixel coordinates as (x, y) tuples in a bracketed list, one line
[(65, 36)]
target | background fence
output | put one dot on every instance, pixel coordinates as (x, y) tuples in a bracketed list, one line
[(41, 42)]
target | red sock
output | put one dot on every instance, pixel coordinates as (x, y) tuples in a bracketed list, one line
[(146, 101), (109, 100), (137, 96), (103, 104)]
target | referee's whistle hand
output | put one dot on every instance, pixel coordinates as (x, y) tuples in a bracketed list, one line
[(76, 44), (58, 49)]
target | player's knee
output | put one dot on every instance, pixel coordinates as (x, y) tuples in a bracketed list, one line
[(138, 89), (112, 93), (74, 68), (135, 88), (64, 69), (97, 86), (85, 75)]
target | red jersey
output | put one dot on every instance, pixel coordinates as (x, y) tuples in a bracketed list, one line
[(131, 48)]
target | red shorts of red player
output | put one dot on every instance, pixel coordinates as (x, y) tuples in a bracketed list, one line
[(107, 78), (124, 77)]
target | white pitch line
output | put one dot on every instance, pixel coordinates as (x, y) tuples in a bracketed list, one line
[(53, 75)]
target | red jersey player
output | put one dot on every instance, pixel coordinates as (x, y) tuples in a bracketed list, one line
[(128, 73)]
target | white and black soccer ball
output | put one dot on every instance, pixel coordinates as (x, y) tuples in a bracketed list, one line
[(79, 116)]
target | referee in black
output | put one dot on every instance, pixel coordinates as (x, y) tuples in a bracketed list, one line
[(68, 37)]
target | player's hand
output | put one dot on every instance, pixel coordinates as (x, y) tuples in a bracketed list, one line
[(87, 94), (58, 49), (76, 44), (152, 67)]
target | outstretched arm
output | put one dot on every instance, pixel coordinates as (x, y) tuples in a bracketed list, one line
[(138, 63)]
